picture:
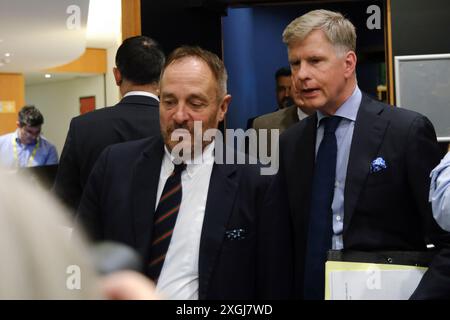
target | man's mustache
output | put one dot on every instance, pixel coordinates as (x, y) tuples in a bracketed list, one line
[(179, 126)]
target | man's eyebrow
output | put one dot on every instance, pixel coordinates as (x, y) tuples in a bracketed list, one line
[(316, 56), (167, 94), (197, 96)]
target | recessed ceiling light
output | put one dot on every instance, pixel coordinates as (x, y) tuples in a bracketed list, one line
[(7, 54), (47, 76)]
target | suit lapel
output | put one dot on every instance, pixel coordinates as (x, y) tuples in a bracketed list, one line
[(144, 188), (290, 118), (367, 138), (300, 173), (221, 197)]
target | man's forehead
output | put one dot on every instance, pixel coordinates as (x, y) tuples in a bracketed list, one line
[(30, 128), (315, 41), (190, 67), (190, 62)]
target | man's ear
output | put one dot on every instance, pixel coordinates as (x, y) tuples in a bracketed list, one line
[(223, 108), (117, 76), (18, 124), (350, 64)]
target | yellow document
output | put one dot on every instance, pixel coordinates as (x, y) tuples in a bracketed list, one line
[(370, 281)]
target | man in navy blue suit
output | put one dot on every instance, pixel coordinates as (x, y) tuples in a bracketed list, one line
[(205, 229), (357, 170), (139, 61)]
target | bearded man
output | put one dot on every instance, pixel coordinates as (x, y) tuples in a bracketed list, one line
[(206, 230)]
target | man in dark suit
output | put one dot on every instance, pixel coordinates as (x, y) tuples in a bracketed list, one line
[(138, 65), (206, 230), (357, 171), (281, 119)]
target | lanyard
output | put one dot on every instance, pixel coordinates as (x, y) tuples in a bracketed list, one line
[(33, 153)]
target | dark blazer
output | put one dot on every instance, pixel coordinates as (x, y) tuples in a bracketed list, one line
[(119, 201), (385, 210), (134, 117)]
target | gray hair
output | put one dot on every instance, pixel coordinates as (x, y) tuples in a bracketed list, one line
[(339, 30), (212, 60)]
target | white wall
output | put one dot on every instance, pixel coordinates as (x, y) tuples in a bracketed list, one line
[(112, 90), (59, 103)]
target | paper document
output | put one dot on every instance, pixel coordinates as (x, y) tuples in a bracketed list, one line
[(370, 281)]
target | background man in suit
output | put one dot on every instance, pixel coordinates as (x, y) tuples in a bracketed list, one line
[(283, 118), (139, 61), (357, 171), (283, 92), (207, 230)]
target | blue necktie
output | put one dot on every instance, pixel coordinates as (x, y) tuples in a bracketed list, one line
[(320, 229), (164, 221)]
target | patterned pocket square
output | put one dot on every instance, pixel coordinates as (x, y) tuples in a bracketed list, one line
[(377, 165), (235, 234)]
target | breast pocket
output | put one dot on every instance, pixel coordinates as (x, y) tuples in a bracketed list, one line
[(237, 240), (379, 178)]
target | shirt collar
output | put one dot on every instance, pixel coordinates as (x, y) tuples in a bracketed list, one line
[(301, 114), (192, 166), (141, 93), (348, 110), (16, 135)]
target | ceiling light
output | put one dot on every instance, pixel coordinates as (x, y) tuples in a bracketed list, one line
[(104, 22), (47, 76), (7, 54)]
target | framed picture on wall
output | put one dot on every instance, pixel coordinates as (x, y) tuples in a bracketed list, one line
[(87, 104), (422, 84)]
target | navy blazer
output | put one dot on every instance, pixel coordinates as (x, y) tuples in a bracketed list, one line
[(119, 200), (383, 211), (134, 117)]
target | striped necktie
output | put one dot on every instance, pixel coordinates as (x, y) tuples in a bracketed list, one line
[(164, 221)]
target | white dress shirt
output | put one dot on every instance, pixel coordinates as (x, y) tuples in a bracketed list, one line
[(344, 135), (179, 275), (141, 93)]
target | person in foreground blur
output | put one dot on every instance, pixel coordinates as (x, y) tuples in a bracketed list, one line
[(39, 259), (26, 147), (205, 230), (128, 285), (440, 192), (138, 65), (43, 259), (357, 170)]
